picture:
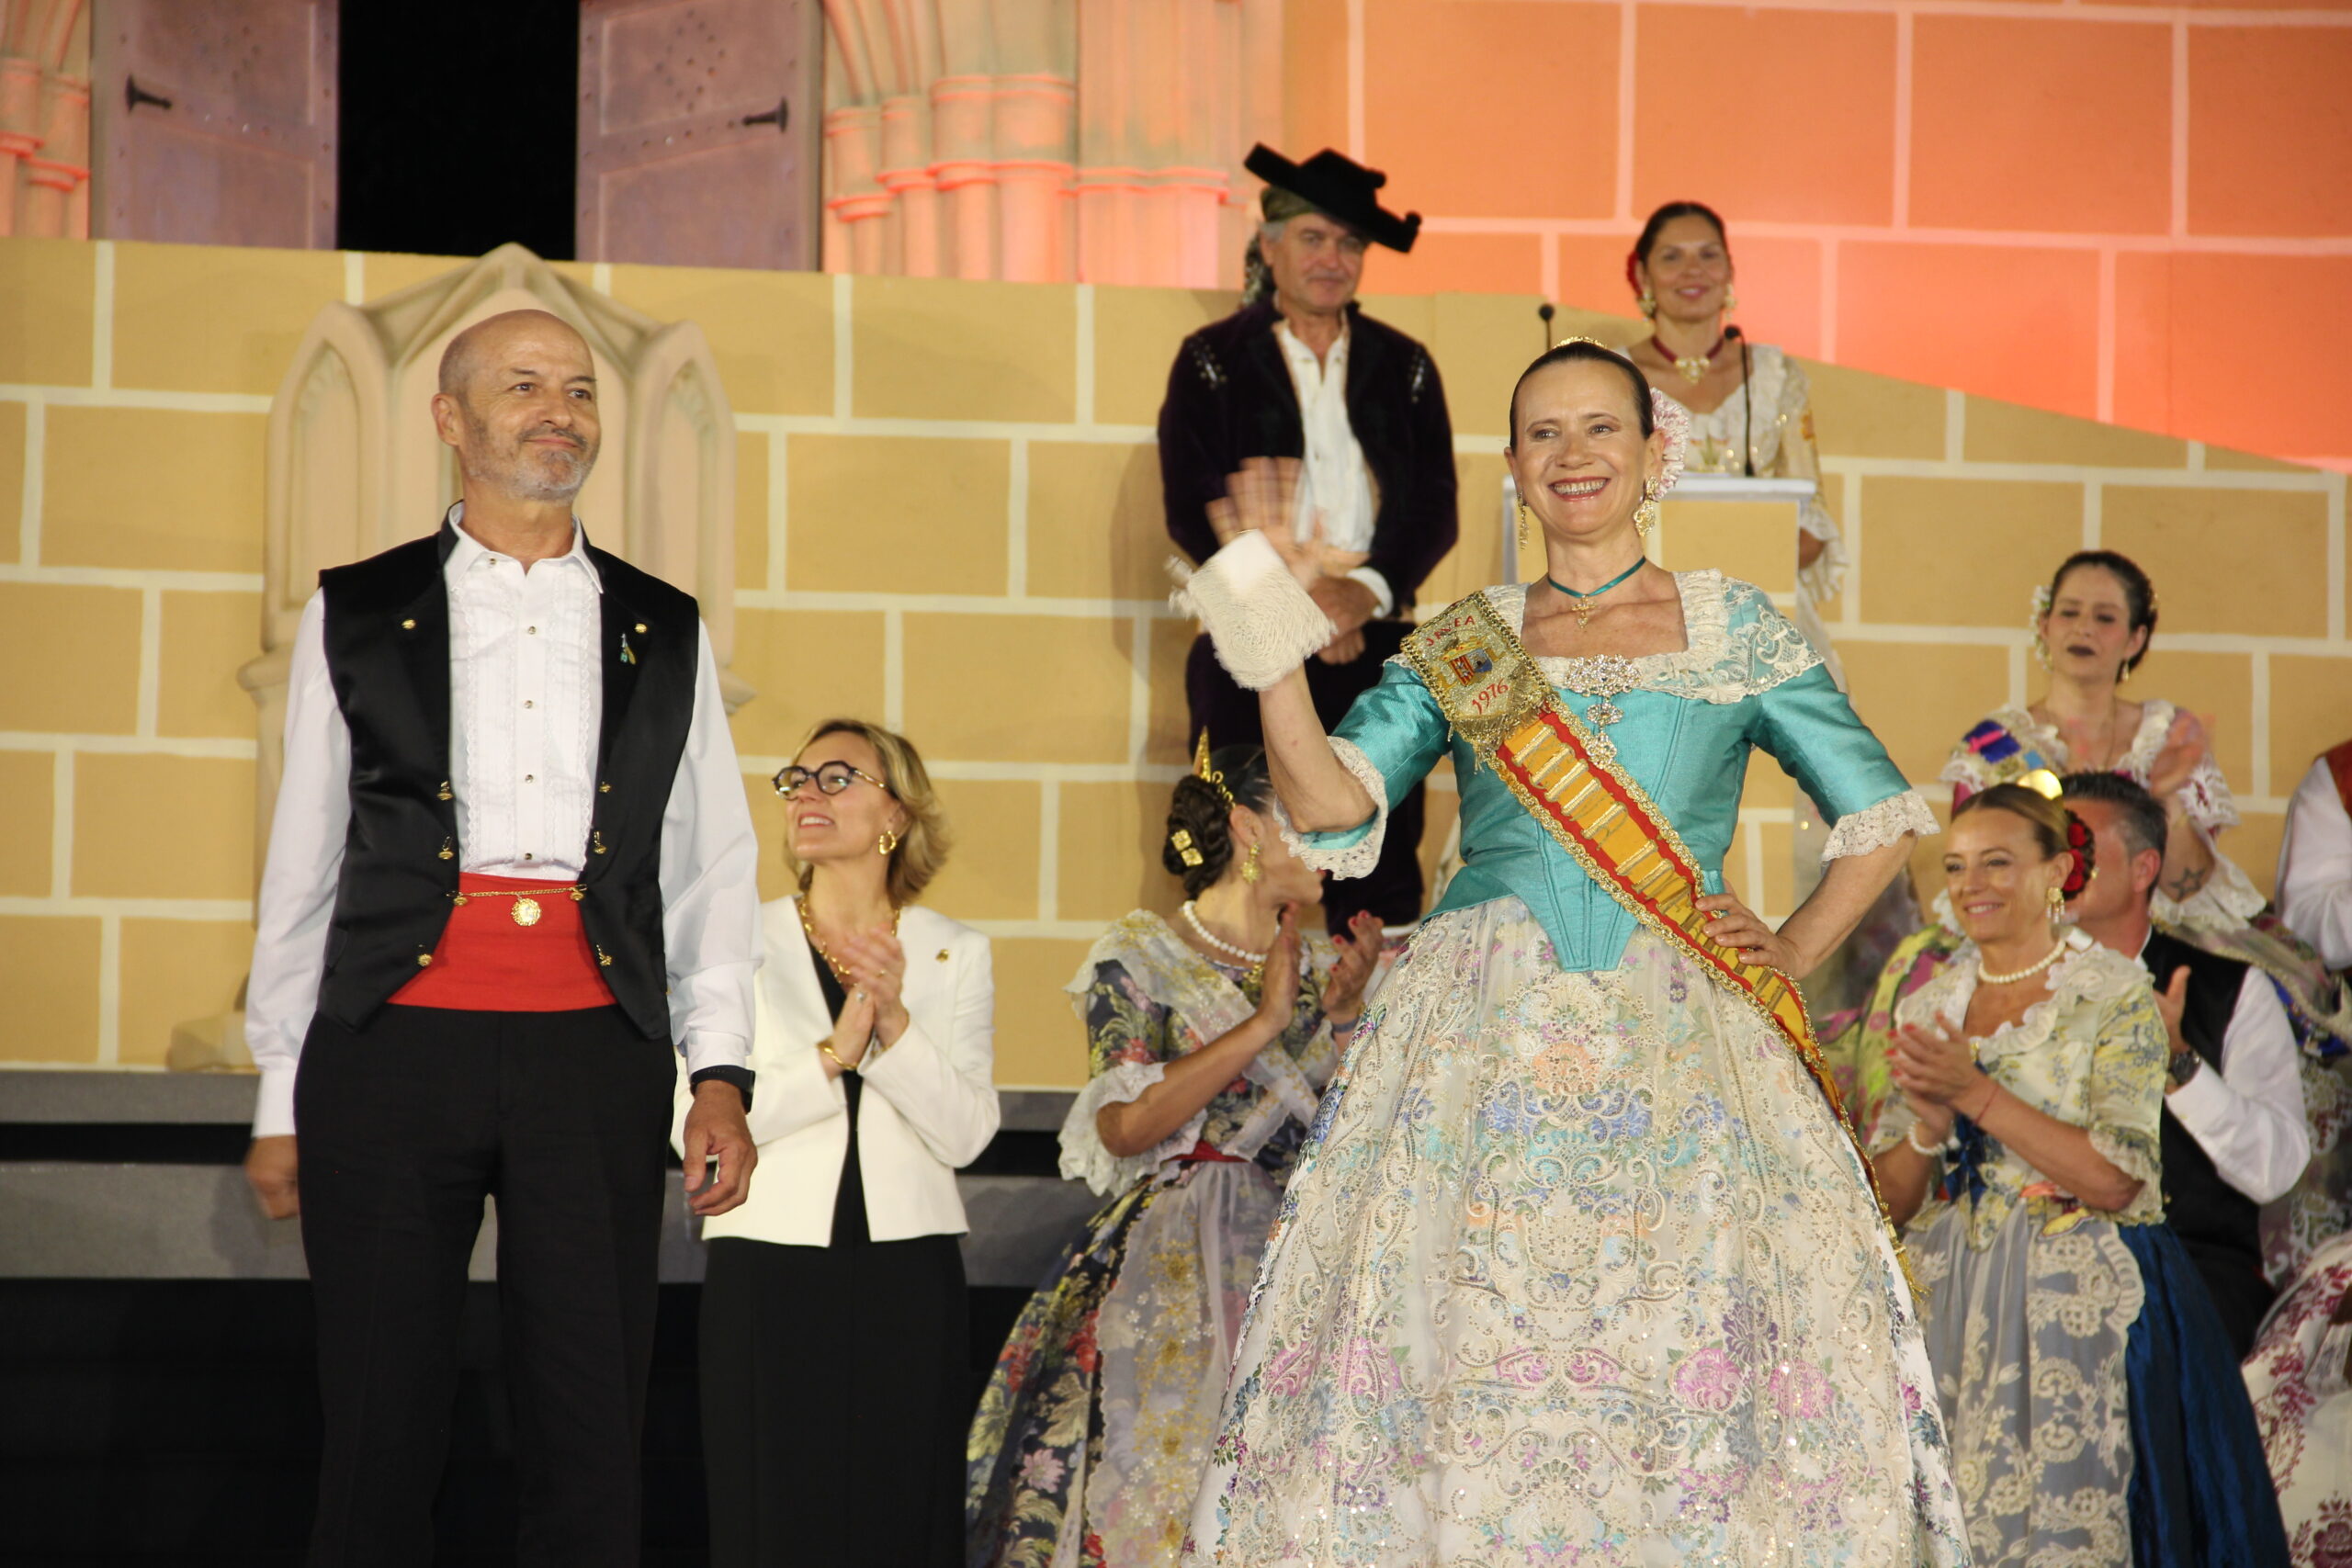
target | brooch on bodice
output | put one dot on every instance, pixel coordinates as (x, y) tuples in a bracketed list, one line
[(1603, 675)]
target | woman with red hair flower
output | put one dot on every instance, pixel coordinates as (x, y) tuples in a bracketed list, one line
[(2094, 1404)]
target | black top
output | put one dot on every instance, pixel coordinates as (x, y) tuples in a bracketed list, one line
[(849, 1200), (1230, 396), (2202, 1208)]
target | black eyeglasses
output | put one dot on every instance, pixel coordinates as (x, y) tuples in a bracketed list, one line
[(831, 777)]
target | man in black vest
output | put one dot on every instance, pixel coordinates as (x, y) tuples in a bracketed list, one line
[(1299, 372), (2233, 1131), (512, 864)]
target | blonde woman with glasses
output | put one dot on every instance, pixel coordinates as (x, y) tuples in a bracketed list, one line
[(834, 1382)]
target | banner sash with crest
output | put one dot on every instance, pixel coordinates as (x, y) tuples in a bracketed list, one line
[(1566, 774)]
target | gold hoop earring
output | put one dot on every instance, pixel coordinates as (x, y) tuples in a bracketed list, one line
[(887, 844), (1649, 301), (1521, 511), (1251, 871)]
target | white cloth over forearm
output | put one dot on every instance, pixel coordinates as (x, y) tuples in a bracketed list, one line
[(2315, 868), (2248, 1118), (1260, 621)]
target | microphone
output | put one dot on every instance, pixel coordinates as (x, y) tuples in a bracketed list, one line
[(1746, 370), (1544, 313)]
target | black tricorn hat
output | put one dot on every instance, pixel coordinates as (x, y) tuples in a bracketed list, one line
[(1340, 186)]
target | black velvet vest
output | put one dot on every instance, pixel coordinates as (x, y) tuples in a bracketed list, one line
[(2204, 1211), (387, 654)]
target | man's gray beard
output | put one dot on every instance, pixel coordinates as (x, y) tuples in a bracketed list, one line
[(520, 482)]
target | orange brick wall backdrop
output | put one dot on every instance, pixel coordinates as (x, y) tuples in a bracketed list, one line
[(2124, 212), (949, 518)]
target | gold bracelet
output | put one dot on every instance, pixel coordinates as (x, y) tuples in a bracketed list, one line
[(827, 1047)]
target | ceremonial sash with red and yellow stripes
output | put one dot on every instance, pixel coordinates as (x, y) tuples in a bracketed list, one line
[(1565, 774)]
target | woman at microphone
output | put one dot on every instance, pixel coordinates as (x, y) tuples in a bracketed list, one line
[(1750, 408)]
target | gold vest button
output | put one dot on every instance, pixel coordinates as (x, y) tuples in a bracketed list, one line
[(424, 960)]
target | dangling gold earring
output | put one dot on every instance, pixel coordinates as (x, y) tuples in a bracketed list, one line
[(1649, 301), (886, 843), (2041, 651), (1731, 299), (1250, 869), (1646, 514), (1523, 525), (2125, 678), (2057, 902)]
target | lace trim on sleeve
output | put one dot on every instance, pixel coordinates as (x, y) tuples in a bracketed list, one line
[(1261, 622), (1083, 1157), (1875, 826), (1357, 859), (2135, 1154)]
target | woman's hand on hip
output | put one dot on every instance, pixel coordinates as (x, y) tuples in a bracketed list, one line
[(1737, 926)]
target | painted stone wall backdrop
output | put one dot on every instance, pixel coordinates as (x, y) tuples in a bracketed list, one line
[(949, 518), (2112, 211)]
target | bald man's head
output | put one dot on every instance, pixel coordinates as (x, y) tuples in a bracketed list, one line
[(517, 400), (478, 347)]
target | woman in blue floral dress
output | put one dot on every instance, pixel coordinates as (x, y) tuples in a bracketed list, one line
[(1209, 1037)]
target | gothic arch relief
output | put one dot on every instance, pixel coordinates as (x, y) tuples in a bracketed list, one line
[(355, 467)]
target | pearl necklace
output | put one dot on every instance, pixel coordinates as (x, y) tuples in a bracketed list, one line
[(2028, 973), (1243, 953)]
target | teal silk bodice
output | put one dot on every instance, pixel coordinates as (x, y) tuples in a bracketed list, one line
[(1746, 679)]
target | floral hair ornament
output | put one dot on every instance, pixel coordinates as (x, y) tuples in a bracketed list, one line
[(2044, 782)]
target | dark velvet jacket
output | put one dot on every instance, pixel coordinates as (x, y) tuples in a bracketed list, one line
[(1230, 396), (388, 655)]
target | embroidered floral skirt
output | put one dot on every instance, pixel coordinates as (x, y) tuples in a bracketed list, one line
[(2300, 1377), (1576, 1269), (1091, 1439)]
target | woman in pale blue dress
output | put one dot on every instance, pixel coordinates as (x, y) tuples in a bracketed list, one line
[(1580, 1264)]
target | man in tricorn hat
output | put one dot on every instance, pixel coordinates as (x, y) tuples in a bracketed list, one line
[(1298, 372)]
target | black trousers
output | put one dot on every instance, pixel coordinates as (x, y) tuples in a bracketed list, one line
[(403, 1128), (836, 1394), (1394, 890)]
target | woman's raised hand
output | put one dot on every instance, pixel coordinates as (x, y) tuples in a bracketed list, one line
[(1264, 496), (1279, 987), (2186, 744), (1359, 951), (876, 963)]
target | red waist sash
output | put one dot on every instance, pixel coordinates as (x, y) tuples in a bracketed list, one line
[(488, 962), (1205, 1153)]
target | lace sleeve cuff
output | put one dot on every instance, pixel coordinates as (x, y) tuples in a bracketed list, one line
[(1083, 1157), (1261, 622), (1350, 852), (1875, 826), (2135, 1153)]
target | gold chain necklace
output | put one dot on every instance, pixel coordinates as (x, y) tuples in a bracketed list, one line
[(808, 930), (525, 907)]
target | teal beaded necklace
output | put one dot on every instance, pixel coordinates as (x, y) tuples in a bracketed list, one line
[(1583, 606)]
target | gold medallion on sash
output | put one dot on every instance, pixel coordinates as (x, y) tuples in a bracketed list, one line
[(1566, 774)]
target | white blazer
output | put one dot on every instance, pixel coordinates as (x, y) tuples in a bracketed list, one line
[(930, 1102)]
